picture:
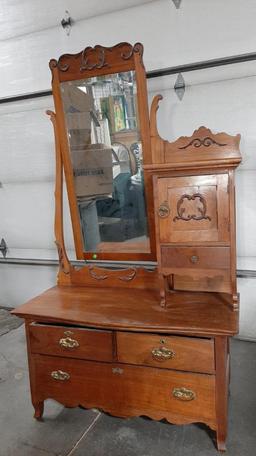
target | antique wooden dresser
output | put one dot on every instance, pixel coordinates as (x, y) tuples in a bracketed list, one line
[(142, 325)]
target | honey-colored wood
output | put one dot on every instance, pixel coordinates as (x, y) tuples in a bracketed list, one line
[(187, 353), (195, 257), (64, 263), (127, 390), (88, 344), (99, 277), (132, 340), (205, 314), (88, 63), (213, 226), (62, 139), (192, 209), (222, 382)]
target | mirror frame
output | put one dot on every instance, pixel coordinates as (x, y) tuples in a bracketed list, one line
[(91, 62)]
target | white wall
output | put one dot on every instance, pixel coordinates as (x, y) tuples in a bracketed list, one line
[(224, 99)]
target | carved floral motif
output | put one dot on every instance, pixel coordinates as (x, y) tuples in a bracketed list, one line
[(124, 275), (96, 57), (206, 142), (201, 211)]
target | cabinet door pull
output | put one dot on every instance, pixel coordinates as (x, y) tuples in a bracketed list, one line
[(183, 394), (162, 354), (163, 210), (67, 342), (60, 375)]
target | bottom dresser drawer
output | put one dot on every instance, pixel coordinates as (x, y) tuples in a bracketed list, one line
[(125, 390)]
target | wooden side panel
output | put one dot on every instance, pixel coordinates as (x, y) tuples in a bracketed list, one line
[(126, 390), (186, 353), (208, 280)]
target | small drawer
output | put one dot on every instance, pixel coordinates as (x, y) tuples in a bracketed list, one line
[(195, 257), (171, 352), (71, 342)]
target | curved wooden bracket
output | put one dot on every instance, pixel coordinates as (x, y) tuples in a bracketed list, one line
[(153, 112), (64, 263)]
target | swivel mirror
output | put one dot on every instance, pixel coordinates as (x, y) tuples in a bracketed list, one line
[(103, 129)]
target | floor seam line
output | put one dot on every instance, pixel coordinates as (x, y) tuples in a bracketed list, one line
[(84, 434)]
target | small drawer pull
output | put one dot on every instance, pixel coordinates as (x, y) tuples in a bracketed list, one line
[(162, 354), (163, 210), (183, 394), (194, 259), (67, 342), (60, 375)]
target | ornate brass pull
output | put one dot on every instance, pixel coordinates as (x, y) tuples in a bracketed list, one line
[(183, 394), (163, 210), (67, 342), (194, 259), (162, 354), (60, 375)]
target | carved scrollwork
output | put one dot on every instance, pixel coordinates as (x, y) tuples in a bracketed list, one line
[(126, 276), (96, 57), (137, 48), (181, 211), (206, 142), (99, 57)]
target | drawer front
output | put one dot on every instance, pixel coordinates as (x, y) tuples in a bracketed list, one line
[(195, 257), (182, 353), (71, 342), (125, 390)]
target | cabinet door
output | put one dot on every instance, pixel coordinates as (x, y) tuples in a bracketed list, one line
[(193, 209)]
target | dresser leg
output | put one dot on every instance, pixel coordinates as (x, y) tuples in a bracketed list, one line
[(221, 443), (222, 383), (39, 410)]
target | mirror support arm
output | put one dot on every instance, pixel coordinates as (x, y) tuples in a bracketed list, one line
[(64, 264)]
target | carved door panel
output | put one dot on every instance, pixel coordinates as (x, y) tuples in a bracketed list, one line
[(193, 209)]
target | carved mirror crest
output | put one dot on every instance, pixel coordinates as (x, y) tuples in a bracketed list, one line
[(102, 124)]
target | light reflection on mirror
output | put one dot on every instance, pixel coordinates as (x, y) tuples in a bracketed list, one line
[(107, 157)]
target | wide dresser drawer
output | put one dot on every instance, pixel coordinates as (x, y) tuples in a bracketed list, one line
[(195, 257), (71, 342), (171, 352), (126, 390)]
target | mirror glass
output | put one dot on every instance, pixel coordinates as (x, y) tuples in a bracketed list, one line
[(106, 155)]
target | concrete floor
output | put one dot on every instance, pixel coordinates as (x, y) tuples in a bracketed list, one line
[(79, 432)]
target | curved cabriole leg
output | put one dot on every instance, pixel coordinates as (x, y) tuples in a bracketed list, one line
[(39, 410)]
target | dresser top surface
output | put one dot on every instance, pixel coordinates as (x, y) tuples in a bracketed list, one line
[(133, 310)]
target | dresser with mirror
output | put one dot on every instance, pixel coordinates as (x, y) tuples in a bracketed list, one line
[(141, 325)]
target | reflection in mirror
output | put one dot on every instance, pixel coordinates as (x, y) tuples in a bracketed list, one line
[(106, 155)]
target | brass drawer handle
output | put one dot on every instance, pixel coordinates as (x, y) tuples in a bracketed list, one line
[(60, 375), (194, 259), (67, 342), (183, 394), (163, 210), (162, 354)]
